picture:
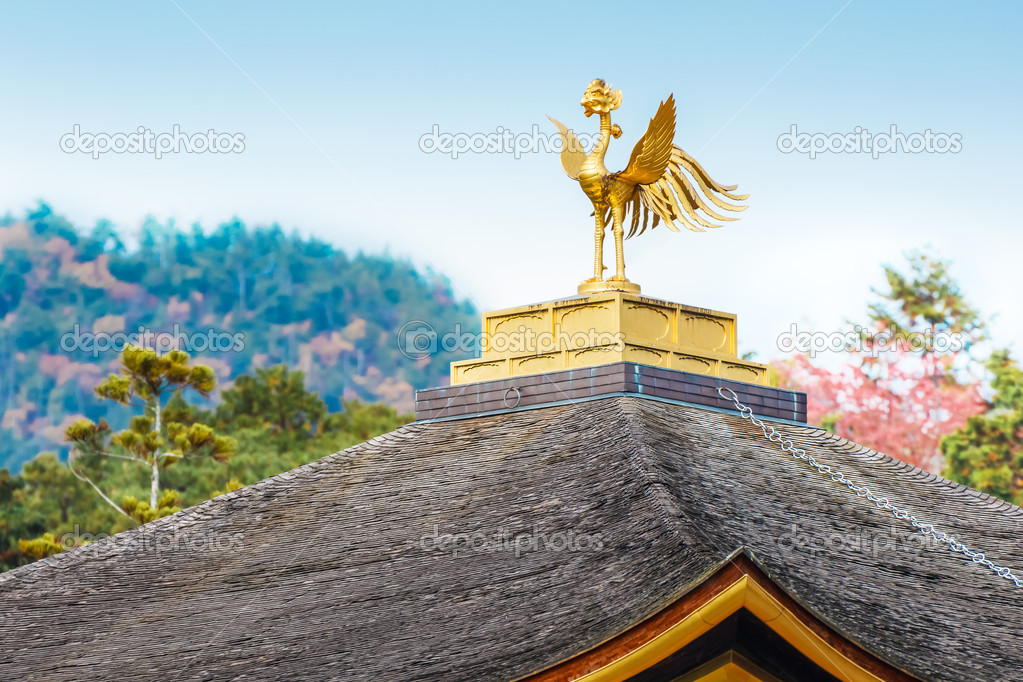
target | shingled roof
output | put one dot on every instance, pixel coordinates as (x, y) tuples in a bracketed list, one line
[(336, 569)]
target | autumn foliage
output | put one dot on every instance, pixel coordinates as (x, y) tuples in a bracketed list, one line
[(897, 404), (903, 396)]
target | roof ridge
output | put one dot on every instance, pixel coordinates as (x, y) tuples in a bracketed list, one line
[(667, 498), (125, 540)]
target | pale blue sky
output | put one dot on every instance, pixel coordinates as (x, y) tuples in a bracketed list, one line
[(332, 99)]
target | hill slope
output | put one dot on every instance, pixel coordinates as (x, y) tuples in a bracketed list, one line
[(259, 296)]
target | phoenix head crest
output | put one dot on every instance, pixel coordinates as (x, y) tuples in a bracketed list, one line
[(599, 98)]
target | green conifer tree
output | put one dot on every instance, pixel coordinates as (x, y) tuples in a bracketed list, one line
[(987, 453), (152, 440)]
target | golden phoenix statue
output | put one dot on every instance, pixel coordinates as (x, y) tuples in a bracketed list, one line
[(654, 182)]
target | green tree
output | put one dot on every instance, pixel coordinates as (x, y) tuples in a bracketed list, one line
[(274, 398), (49, 510), (42, 546), (987, 453), (152, 440), (169, 503), (16, 519), (364, 420), (56, 484), (924, 302)]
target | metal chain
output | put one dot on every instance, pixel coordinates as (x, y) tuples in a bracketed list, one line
[(882, 502)]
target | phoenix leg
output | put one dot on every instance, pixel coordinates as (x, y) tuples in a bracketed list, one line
[(598, 257), (618, 215)]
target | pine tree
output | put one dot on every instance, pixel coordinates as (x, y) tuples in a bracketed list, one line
[(926, 301), (154, 439)]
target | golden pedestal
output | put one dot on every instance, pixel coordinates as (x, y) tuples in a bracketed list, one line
[(601, 286), (606, 327)]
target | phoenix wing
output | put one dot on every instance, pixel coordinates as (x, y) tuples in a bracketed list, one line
[(572, 152), (670, 184), (674, 198), (651, 155)]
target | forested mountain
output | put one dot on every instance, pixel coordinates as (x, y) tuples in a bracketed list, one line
[(278, 297)]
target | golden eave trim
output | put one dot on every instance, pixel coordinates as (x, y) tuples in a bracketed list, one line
[(744, 592)]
